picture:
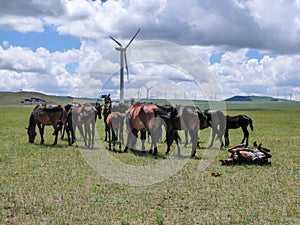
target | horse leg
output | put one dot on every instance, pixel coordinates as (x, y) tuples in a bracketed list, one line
[(177, 142), (114, 138), (170, 139), (246, 135), (194, 136), (109, 139), (143, 139), (186, 134), (226, 136), (88, 134), (213, 135), (93, 134), (68, 134), (131, 139), (41, 130), (82, 134), (106, 130)]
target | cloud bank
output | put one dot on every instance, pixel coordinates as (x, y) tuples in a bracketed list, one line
[(227, 27)]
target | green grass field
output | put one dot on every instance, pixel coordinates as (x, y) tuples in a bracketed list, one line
[(56, 185)]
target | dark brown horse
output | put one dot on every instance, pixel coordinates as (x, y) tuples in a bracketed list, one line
[(181, 118), (234, 122), (115, 122), (44, 115), (141, 117), (85, 116)]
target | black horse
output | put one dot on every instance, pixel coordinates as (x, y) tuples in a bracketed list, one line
[(234, 122)]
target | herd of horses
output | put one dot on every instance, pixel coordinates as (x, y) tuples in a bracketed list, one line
[(143, 118)]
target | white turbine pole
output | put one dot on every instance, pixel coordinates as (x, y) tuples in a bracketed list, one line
[(123, 59)]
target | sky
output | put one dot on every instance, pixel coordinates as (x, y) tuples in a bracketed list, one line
[(206, 49)]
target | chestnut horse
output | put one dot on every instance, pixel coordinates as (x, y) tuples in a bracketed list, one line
[(115, 122), (141, 117), (85, 115), (44, 115)]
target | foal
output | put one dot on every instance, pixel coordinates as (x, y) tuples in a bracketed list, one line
[(234, 122)]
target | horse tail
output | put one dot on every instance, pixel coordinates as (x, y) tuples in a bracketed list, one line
[(251, 124)]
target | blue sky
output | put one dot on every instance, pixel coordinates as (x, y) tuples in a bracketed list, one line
[(251, 47), (48, 39)]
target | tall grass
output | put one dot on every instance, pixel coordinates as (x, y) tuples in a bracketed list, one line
[(55, 185)]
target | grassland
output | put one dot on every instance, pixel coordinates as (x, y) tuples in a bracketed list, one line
[(56, 185)]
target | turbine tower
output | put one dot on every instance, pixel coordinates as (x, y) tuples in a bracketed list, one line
[(123, 59), (148, 89)]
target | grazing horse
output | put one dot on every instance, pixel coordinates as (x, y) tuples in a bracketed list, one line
[(115, 123), (234, 122), (141, 117), (181, 118), (85, 115), (43, 115)]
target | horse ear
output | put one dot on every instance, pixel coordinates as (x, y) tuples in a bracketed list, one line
[(259, 146), (255, 144)]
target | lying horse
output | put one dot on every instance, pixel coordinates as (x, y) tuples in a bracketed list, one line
[(44, 115), (242, 154), (115, 123), (234, 122), (141, 117)]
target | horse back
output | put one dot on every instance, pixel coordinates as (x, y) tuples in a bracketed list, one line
[(49, 114)]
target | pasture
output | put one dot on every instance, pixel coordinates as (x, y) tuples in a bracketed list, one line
[(55, 185)]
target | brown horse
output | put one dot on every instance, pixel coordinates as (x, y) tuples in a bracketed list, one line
[(181, 118), (141, 117), (44, 115), (242, 154), (234, 122), (115, 122), (85, 115), (217, 121), (110, 106)]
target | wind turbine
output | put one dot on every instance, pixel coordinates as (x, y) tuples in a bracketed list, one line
[(123, 59), (148, 89), (291, 95)]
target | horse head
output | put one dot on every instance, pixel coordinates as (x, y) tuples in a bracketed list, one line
[(31, 129)]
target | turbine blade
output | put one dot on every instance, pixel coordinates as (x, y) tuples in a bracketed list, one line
[(133, 38), (125, 58), (116, 41)]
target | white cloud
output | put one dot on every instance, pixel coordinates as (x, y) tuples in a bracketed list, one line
[(202, 27)]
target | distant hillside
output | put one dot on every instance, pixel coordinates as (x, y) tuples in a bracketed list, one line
[(250, 99), (15, 98)]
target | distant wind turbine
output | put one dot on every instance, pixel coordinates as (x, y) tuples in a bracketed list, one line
[(148, 89), (123, 59), (291, 95)]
